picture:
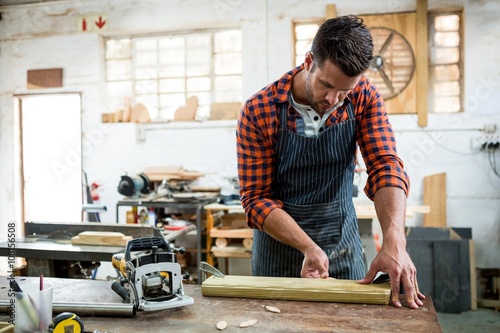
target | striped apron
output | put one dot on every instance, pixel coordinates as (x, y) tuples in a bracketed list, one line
[(314, 179)]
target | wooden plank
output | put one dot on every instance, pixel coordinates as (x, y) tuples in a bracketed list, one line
[(473, 279), (422, 56), (320, 290), (331, 11), (45, 78), (100, 238), (231, 233), (435, 197), (231, 252)]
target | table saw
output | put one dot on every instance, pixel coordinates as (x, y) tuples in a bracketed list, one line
[(48, 250)]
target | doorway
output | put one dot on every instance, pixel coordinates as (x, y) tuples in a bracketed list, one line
[(51, 164)]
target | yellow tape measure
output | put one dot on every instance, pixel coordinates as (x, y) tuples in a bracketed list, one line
[(66, 322)]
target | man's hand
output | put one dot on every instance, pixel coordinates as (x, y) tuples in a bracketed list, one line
[(315, 264), (396, 262)]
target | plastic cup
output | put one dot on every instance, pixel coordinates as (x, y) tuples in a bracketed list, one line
[(33, 308)]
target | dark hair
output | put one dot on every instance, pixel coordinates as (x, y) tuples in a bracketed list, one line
[(346, 42)]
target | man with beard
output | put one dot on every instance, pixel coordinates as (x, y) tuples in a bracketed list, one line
[(296, 144)]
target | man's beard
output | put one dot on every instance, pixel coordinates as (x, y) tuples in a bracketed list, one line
[(310, 95)]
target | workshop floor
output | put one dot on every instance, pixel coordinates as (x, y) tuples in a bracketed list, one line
[(482, 320)]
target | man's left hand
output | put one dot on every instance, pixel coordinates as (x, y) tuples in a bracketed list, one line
[(396, 262)]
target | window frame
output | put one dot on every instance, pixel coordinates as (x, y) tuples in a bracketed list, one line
[(116, 101)]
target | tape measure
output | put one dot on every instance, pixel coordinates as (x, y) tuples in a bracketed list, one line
[(66, 322)]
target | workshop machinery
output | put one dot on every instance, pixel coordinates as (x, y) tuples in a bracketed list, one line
[(150, 277)]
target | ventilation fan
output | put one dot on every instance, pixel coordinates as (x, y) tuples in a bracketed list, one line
[(393, 63)]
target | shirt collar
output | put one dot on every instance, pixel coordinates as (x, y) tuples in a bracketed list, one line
[(284, 85)]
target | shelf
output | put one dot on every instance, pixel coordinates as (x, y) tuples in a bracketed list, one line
[(231, 252), (216, 232)]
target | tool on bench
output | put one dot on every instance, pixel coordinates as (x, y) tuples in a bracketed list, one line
[(66, 322), (151, 279), (207, 268)]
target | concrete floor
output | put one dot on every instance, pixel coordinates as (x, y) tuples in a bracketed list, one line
[(483, 320)]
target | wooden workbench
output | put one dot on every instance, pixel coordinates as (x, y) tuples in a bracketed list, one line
[(204, 314)]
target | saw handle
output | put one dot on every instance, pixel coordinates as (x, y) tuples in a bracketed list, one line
[(145, 243)]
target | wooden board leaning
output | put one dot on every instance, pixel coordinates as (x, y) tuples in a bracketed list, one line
[(297, 289)]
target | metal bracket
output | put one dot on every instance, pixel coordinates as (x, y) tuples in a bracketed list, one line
[(207, 268)]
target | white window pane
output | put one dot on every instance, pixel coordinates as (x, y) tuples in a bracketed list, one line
[(198, 61), (172, 51), (445, 55), (203, 112), (175, 70), (227, 63), (167, 113), (447, 23), (446, 39), (228, 89), (172, 85), (172, 100), (145, 58), (305, 31), (146, 87), (118, 70), (228, 83), (171, 43), (118, 48), (451, 88), (149, 44), (227, 96), (444, 73), (198, 84), (302, 46), (144, 73), (198, 69), (116, 92), (204, 98), (227, 41), (448, 104), (198, 42)]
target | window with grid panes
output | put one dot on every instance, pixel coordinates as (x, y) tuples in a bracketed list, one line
[(445, 63), (161, 72), (445, 60)]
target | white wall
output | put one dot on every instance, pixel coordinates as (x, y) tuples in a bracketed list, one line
[(46, 36)]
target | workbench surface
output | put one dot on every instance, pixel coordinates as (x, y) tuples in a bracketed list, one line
[(206, 312)]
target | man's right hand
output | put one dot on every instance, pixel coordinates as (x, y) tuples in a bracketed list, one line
[(315, 264)]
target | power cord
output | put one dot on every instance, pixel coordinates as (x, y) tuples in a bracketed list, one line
[(492, 149)]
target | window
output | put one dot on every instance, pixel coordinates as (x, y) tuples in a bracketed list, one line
[(445, 58), (161, 72), (445, 63), (304, 35)]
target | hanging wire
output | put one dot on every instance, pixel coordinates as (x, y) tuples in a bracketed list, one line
[(493, 163)]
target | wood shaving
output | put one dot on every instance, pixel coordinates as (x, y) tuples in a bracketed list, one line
[(221, 325), (272, 309), (248, 323)]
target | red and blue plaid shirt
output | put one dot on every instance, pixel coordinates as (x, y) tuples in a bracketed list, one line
[(257, 130)]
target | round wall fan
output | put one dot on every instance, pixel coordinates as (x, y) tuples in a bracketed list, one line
[(393, 63)]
